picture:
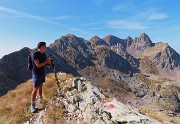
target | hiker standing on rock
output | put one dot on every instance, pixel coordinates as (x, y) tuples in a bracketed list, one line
[(38, 74)]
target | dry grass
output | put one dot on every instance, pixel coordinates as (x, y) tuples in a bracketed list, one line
[(152, 83), (55, 114), (153, 114), (106, 100), (147, 66), (159, 115), (14, 106)]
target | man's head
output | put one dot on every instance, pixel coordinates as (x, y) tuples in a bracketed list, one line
[(41, 46)]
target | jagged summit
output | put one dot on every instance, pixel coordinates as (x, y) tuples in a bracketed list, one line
[(95, 41), (95, 38), (70, 35), (143, 41), (112, 40), (129, 38), (145, 37), (128, 41), (166, 57), (71, 38)]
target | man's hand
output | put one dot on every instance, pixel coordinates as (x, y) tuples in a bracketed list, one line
[(47, 62), (50, 59)]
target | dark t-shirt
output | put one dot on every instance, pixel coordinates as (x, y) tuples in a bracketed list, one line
[(42, 58)]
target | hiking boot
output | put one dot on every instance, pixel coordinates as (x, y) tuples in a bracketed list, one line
[(32, 107), (40, 98)]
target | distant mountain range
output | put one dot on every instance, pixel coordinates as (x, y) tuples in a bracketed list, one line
[(140, 67)]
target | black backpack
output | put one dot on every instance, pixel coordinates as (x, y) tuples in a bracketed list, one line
[(30, 62)]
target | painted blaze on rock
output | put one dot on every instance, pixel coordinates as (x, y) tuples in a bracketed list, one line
[(91, 110)]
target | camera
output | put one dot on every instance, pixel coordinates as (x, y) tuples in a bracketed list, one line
[(52, 61)]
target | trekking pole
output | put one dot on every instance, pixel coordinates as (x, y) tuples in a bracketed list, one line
[(55, 74)]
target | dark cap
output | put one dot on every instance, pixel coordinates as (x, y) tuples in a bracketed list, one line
[(41, 44)]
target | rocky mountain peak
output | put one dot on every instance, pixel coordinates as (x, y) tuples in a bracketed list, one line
[(113, 40), (129, 38), (97, 41), (69, 39), (109, 38), (167, 57), (72, 38), (128, 41), (141, 43), (96, 37), (70, 35), (144, 39)]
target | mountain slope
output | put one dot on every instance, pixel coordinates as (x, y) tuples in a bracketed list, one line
[(13, 70), (74, 49)]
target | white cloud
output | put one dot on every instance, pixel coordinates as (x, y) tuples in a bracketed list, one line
[(126, 24), (17, 13), (23, 14), (40, 18), (157, 16)]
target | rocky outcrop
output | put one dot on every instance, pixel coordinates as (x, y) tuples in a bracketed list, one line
[(169, 97), (166, 58), (108, 58), (85, 103)]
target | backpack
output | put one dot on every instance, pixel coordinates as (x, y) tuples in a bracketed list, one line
[(30, 62)]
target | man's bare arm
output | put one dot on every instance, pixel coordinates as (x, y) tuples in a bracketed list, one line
[(40, 64)]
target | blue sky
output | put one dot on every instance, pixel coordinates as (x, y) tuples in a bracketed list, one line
[(26, 22)]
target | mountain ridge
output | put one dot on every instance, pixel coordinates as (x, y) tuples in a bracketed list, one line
[(80, 53)]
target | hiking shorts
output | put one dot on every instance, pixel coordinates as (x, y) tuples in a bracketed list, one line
[(38, 79)]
